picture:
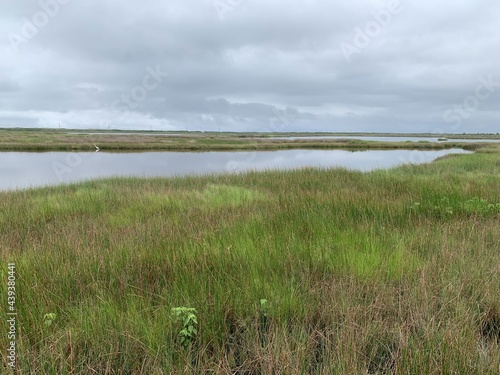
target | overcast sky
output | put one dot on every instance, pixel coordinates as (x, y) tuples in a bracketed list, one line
[(238, 65)]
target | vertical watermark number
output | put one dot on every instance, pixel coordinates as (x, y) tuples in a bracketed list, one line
[(11, 315)]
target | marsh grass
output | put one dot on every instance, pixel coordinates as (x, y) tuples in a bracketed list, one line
[(382, 272), (63, 140)]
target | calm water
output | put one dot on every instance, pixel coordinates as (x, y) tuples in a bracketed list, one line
[(389, 139), (27, 169)]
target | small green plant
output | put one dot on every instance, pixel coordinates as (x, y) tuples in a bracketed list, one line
[(445, 205), (480, 206), (49, 318), (187, 316)]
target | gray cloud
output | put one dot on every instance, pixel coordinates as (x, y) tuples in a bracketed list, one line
[(264, 66)]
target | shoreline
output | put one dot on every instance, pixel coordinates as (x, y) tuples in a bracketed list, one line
[(61, 140)]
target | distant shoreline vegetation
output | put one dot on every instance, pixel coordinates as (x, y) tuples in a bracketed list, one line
[(21, 139)]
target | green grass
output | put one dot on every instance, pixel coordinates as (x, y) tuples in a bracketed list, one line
[(363, 272), (73, 140)]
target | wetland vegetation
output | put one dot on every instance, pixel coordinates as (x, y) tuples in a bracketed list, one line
[(307, 271), (72, 140)]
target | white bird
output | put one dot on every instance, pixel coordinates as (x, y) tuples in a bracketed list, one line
[(96, 148)]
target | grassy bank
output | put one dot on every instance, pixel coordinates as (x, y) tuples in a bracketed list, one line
[(64, 140), (299, 272)]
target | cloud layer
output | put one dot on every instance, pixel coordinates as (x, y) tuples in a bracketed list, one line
[(238, 65)]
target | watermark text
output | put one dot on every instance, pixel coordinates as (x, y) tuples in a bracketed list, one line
[(11, 315)]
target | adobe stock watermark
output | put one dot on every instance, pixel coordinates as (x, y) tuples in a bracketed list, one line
[(71, 162), (414, 157), (31, 26), (11, 315), (245, 160), (127, 102), (282, 119), (365, 35), (484, 90), (150, 82), (225, 7)]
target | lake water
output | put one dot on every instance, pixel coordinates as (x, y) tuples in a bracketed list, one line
[(387, 139), (20, 170), (303, 137)]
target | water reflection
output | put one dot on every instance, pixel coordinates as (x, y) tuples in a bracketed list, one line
[(26, 169), (389, 139)]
